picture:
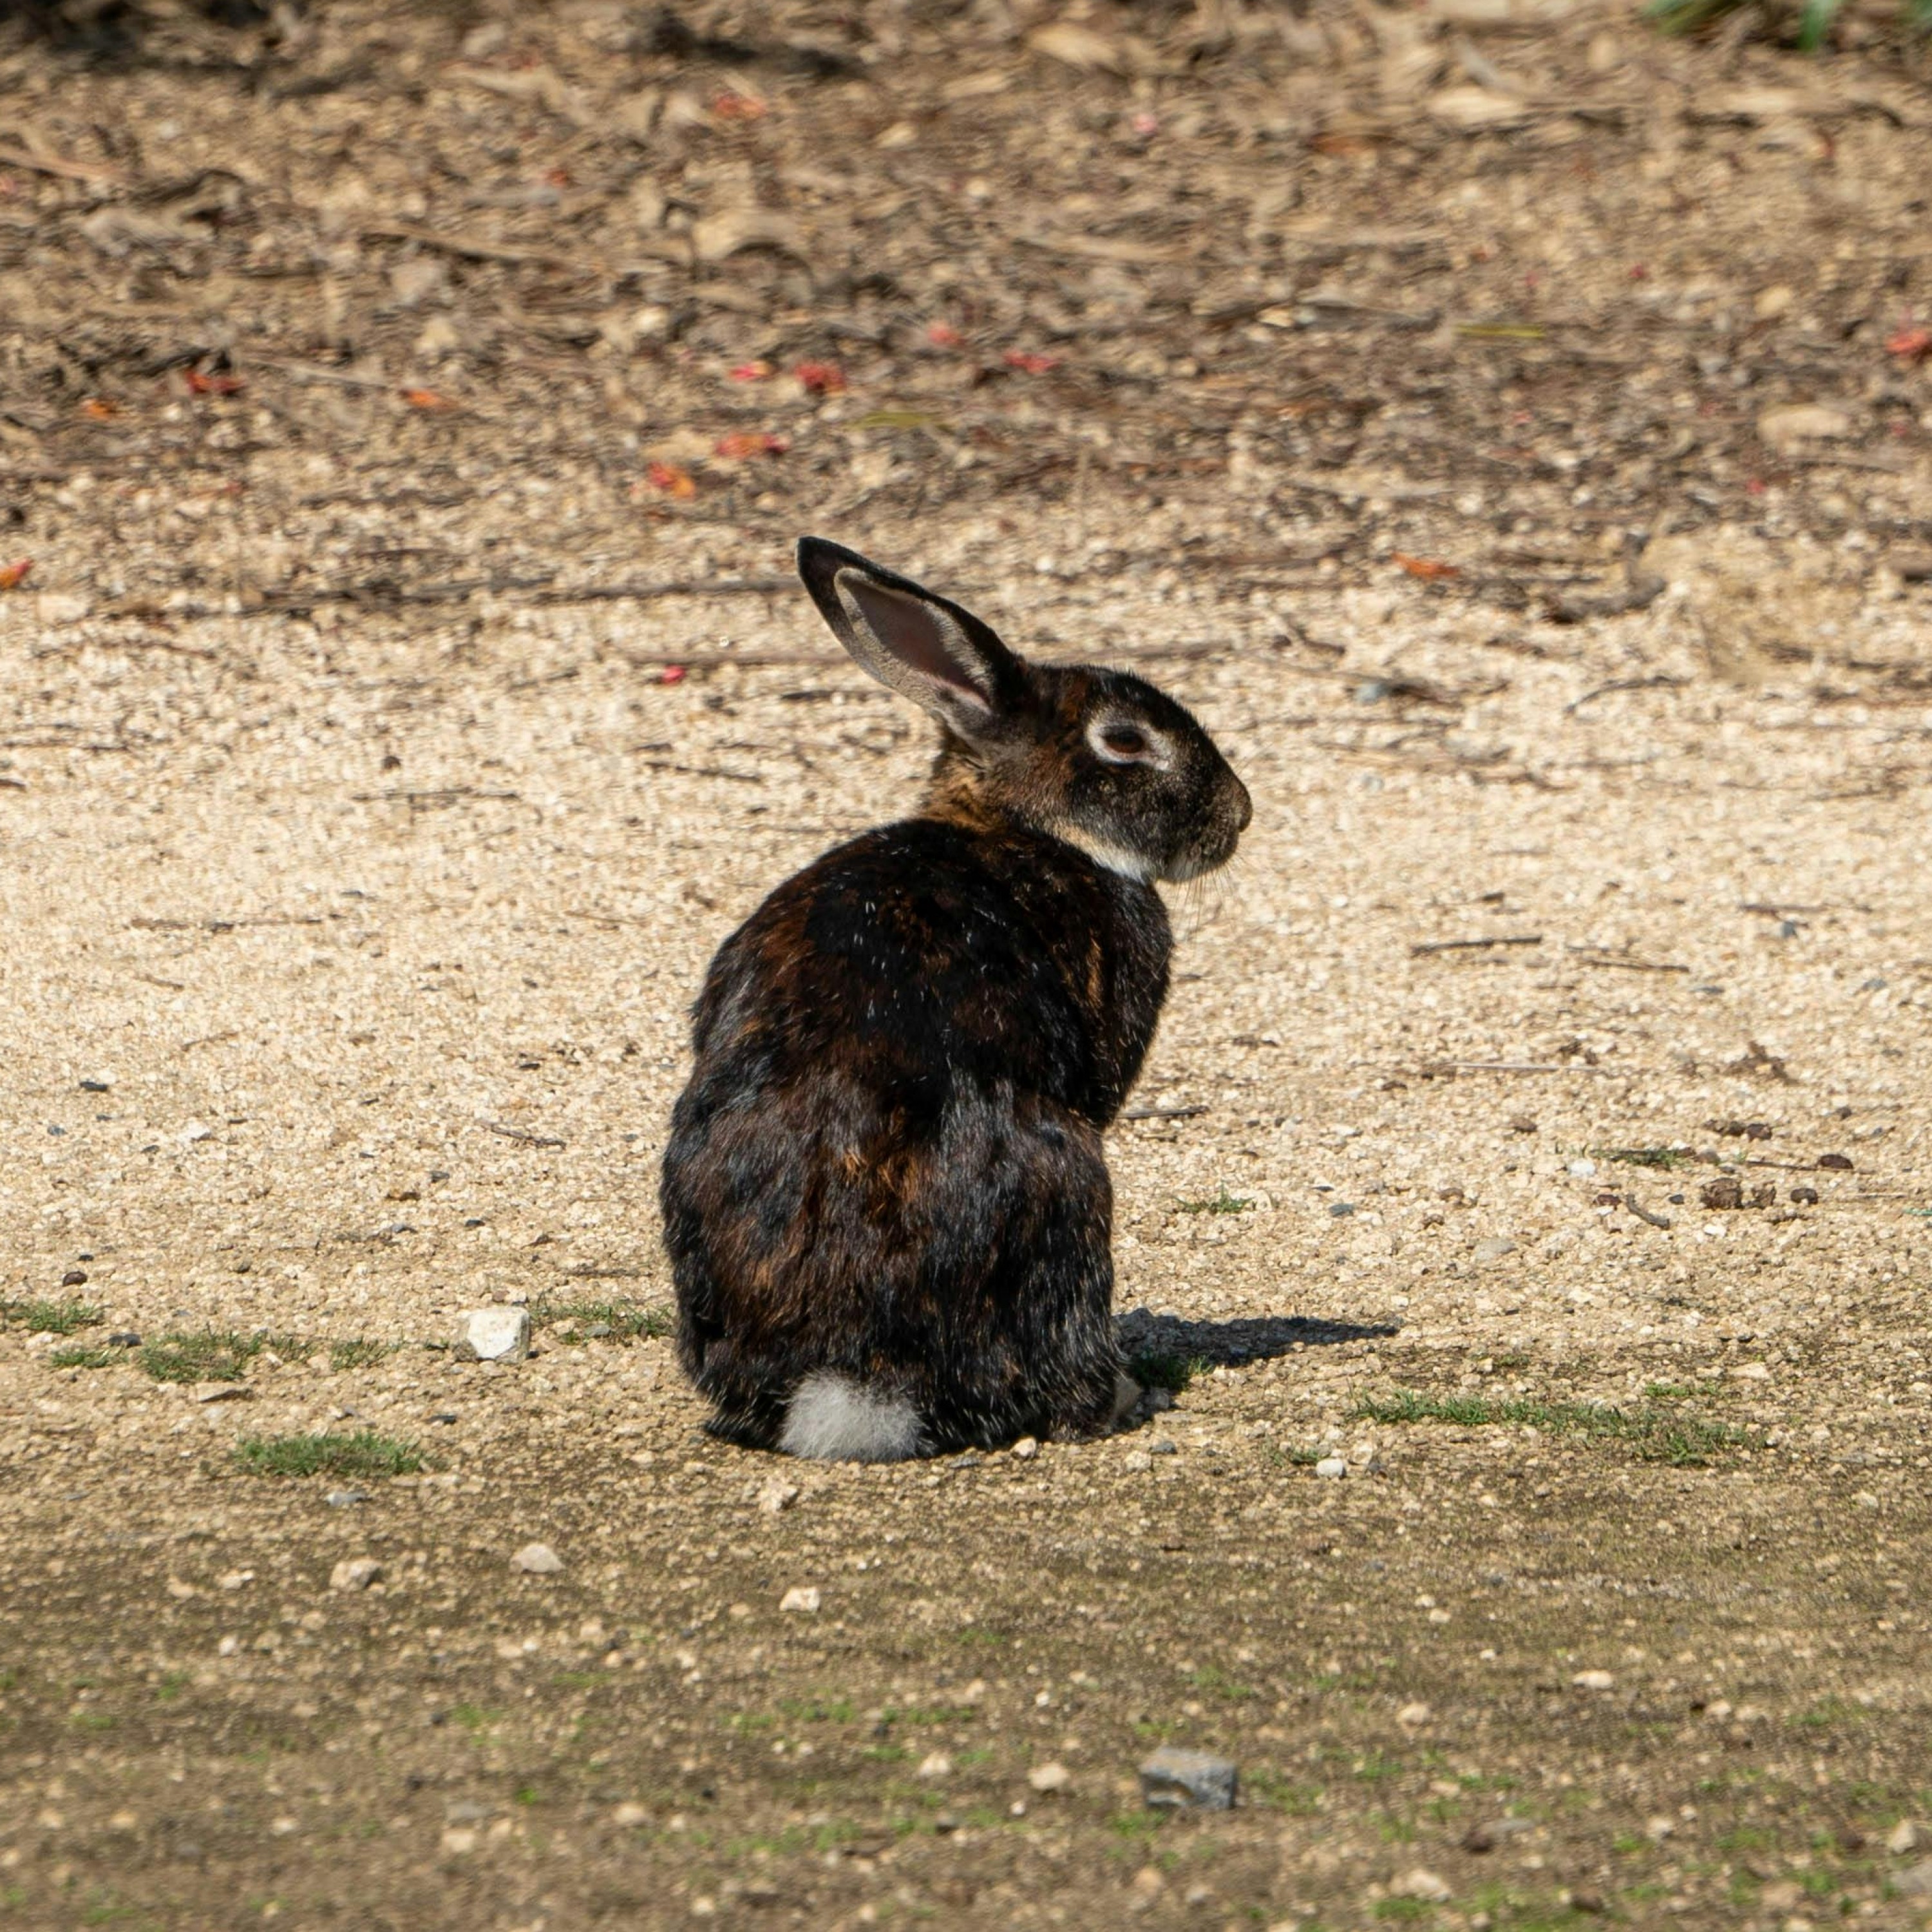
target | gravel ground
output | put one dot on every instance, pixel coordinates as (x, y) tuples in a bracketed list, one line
[(1507, 434)]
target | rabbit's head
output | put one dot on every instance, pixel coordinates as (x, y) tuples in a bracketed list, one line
[(1098, 757)]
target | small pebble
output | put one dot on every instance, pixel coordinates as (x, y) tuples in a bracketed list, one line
[(801, 1598), (630, 1813), (1049, 1777), (1494, 1248), (1175, 1779), (1583, 1170), (1331, 1465), (493, 1335), (1593, 1680), (1137, 1460), (355, 1573), (343, 1498), (1412, 1717), (777, 1495), (74, 1278), (1419, 1883), (1915, 1881), (537, 1559), (1027, 1448), (1902, 1837), (1162, 1448), (934, 1764)]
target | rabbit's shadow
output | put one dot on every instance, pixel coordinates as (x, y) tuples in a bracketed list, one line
[(1164, 1350)]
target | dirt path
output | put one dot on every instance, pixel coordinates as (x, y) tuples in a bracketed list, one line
[(1512, 437)]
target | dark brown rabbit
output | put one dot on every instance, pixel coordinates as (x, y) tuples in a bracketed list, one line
[(884, 1196)]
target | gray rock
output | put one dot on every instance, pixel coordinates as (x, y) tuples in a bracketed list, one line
[(1175, 1780), (1494, 1248), (537, 1559), (1331, 1466), (344, 1499), (1915, 1881), (355, 1573), (493, 1335)]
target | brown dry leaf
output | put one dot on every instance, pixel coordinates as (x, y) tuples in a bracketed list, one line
[(11, 574), (717, 237)]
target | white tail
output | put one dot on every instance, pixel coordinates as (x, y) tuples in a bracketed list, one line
[(833, 1419)]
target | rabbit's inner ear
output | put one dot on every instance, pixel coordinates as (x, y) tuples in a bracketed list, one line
[(916, 637)]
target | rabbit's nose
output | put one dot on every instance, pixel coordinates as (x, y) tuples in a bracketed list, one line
[(1246, 810)]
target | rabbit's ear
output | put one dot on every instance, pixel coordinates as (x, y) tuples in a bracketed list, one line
[(926, 647)]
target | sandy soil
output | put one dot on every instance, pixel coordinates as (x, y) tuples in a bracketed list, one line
[(1508, 429)]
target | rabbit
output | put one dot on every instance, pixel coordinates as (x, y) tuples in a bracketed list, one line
[(885, 1200)]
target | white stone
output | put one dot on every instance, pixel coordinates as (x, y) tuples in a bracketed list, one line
[(493, 1335), (1049, 1777), (777, 1495), (355, 1573), (1419, 1883), (630, 1813), (803, 1598), (1411, 1716), (1583, 1170), (1494, 1248), (537, 1559), (1331, 1465), (934, 1764), (1027, 1448), (1902, 1837), (1593, 1680)]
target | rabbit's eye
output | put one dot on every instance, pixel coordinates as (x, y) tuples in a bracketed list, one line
[(1124, 741)]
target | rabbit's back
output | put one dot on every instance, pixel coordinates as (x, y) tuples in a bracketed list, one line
[(923, 959)]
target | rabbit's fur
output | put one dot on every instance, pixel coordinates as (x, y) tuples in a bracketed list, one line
[(885, 1199)]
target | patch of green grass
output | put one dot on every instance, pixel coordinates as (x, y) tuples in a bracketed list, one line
[(1675, 1436), (213, 1355), (41, 1317), (1832, 1711), (1814, 20), (578, 1321), (886, 1753), (1161, 1368), (1137, 1827), (84, 1358), (1378, 1768), (526, 1794), (366, 1452), (1215, 1681), (1221, 1202), (1280, 1794), (94, 1720), (476, 1718), (172, 1684), (1666, 1157), (817, 1710), (358, 1353), (1292, 1458), (1403, 1911)]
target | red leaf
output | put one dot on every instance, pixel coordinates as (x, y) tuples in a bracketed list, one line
[(1029, 361), (742, 442), (1427, 568), (750, 372), (821, 379), (1912, 343), (11, 573), (426, 399), (673, 481), (201, 385), (672, 674), (943, 335), (100, 408)]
